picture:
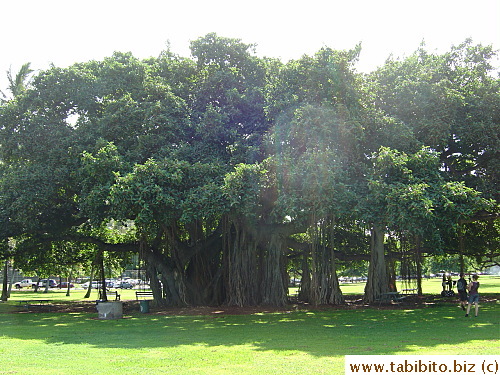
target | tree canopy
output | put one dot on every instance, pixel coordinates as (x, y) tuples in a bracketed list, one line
[(223, 170)]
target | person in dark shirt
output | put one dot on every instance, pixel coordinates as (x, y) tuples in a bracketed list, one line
[(462, 291), (473, 289)]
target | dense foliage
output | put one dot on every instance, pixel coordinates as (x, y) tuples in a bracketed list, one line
[(224, 170)]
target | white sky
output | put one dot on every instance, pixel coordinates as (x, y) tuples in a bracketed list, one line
[(68, 31)]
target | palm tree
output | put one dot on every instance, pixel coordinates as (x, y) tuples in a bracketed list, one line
[(19, 83)]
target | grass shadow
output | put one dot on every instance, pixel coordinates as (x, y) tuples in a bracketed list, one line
[(318, 333)]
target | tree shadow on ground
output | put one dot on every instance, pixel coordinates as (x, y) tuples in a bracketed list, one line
[(319, 332)]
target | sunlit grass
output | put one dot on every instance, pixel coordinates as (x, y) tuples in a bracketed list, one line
[(300, 342), (489, 284), (76, 294)]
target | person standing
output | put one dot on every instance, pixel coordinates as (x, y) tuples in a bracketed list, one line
[(450, 285), (443, 284), (462, 291), (473, 289)]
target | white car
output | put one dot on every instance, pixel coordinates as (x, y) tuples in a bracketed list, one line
[(26, 283), (95, 285)]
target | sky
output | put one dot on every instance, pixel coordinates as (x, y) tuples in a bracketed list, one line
[(63, 32)]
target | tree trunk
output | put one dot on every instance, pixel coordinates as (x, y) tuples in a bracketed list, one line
[(11, 281), (203, 278), (461, 248), (173, 286), (47, 284), (418, 261), (324, 280), (89, 289), (391, 275), (325, 287), (241, 271), (37, 285), (377, 283), (273, 286), (69, 283), (335, 296), (5, 281), (172, 290), (314, 291), (154, 283), (305, 282), (104, 295)]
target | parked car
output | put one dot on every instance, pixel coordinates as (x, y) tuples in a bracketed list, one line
[(26, 283), (95, 285), (123, 285), (43, 283), (64, 284)]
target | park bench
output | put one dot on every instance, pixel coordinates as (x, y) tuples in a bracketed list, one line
[(390, 297), (110, 293), (143, 294), (293, 297), (409, 292), (36, 303)]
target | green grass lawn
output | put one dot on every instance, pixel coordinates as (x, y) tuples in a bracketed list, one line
[(297, 342), (489, 284)]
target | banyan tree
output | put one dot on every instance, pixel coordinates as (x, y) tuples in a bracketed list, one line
[(221, 170)]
